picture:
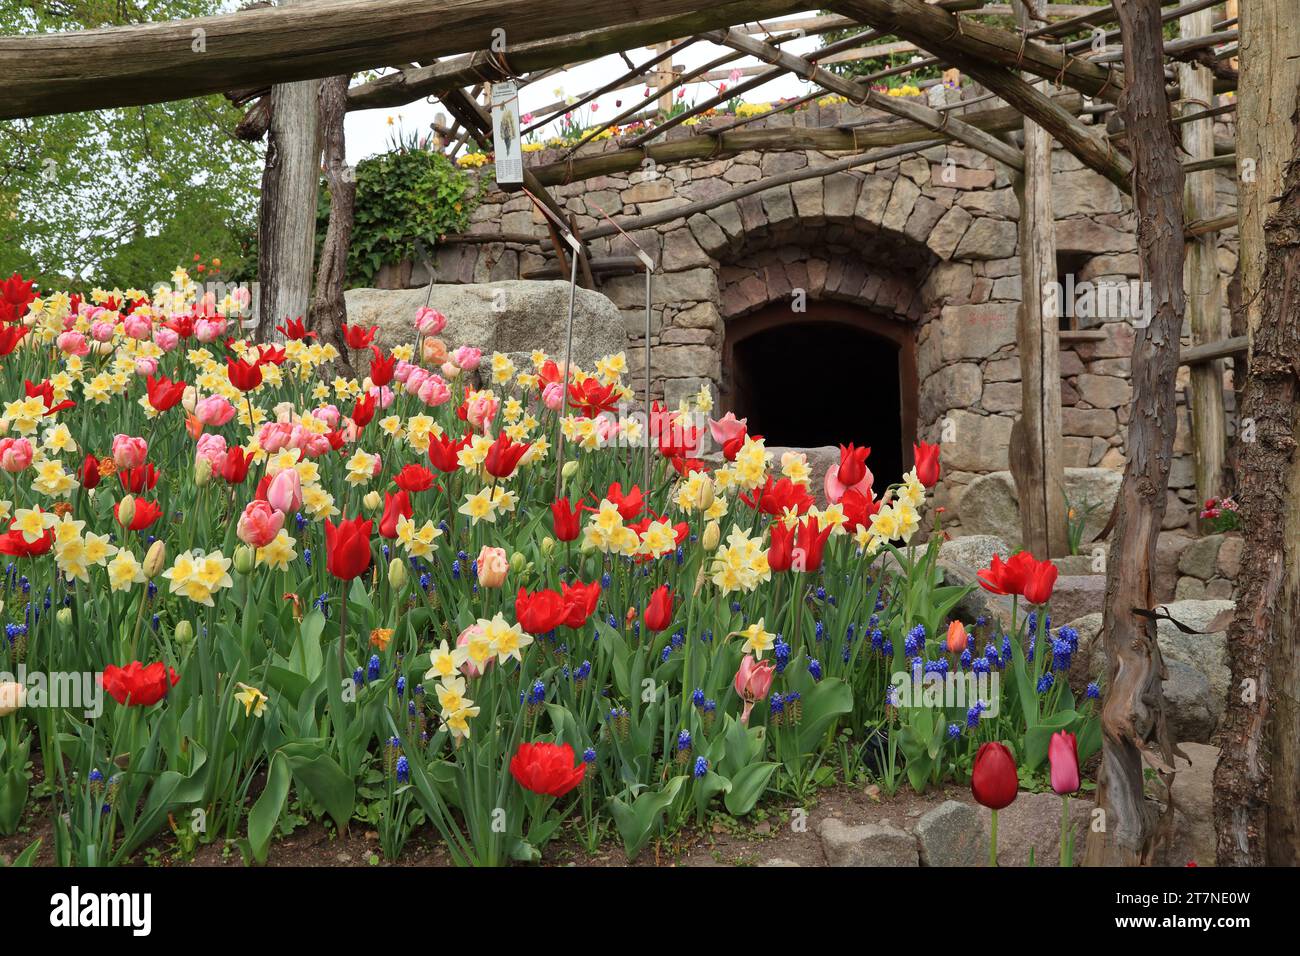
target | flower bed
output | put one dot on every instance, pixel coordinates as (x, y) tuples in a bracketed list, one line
[(309, 596)]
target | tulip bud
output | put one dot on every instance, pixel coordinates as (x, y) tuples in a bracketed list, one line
[(202, 472), (189, 398), (548, 545), (64, 618), (518, 562), (397, 573), (244, 559), (126, 511), (155, 558), (712, 536), (704, 498), (184, 633), (569, 470), (372, 501)]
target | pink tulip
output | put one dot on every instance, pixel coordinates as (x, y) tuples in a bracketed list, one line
[(434, 391), (402, 370), (382, 395), (753, 683), (329, 414), (1063, 753), (727, 428), (73, 343), (553, 396), (313, 446), (259, 524), (209, 330), (414, 380), (285, 491), (165, 338), (146, 365), (15, 454), (212, 449), (137, 327), (430, 321), (214, 411), (275, 436), (467, 357), (129, 452), (102, 331), (480, 411)]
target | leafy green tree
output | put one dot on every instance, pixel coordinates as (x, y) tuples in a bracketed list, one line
[(123, 196)]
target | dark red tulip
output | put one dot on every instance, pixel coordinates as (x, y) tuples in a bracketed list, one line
[(245, 376), (927, 463), (503, 457), (540, 612), (993, 778), (347, 547), (163, 392), (395, 506), (567, 519), (659, 612), (136, 685), (546, 768)]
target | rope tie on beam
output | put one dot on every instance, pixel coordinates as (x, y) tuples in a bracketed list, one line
[(957, 30), (1020, 54), (507, 72)]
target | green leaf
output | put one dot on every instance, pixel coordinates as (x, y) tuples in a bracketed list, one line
[(265, 813), (637, 822), (321, 775), (748, 787)]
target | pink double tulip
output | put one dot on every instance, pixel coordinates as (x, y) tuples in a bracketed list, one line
[(429, 321), (214, 411), (259, 524), (15, 454), (129, 452), (285, 491), (467, 357), (73, 343), (212, 449)]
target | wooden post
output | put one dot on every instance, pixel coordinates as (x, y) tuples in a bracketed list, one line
[(1038, 466), (328, 309), (1135, 735), (1257, 780), (664, 75), (1201, 273), (286, 234)]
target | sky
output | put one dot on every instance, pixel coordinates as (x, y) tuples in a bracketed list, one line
[(368, 131)]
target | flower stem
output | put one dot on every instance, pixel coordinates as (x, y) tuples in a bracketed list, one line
[(993, 841)]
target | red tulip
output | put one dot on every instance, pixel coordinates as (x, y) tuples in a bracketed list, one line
[(381, 369), (809, 544), (591, 398), (295, 329), (163, 392), (659, 612), (579, 602), (136, 480), (90, 472), (503, 457), (853, 464), (10, 336), (993, 778), (539, 612), (927, 463), (775, 498), (858, 509), (566, 519), (1039, 582), (357, 337), (1008, 577), (347, 547), (414, 478), (16, 294), (13, 543), (779, 555), (363, 410), (546, 768), (245, 376), (234, 466), (443, 452), (146, 513), (270, 355), (136, 685), (629, 505), (395, 506), (1063, 753)]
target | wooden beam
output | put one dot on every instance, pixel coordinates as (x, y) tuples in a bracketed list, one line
[(398, 89), (156, 62), (1201, 227), (946, 35), (944, 123), (1235, 347)]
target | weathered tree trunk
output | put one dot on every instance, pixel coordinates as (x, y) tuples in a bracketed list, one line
[(1041, 479), (286, 234), (1257, 780), (328, 310), (1133, 719), (1201, 274)]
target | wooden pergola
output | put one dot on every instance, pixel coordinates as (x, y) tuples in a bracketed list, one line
[(1058, 69)]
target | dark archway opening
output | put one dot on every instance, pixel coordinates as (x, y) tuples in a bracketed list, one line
[(826, 377)]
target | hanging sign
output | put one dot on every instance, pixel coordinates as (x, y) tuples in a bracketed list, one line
[(506, 133)]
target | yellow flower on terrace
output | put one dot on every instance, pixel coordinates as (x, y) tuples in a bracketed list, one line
[(198, 576), (451, 695), (832, 516), (742, 564), (479, 507), (475, 453), (538, 358), (59, 439), (503, 500), (51, 480), (611, 367), (717, 510), (254, 700), (704, 400), (392, 426), (757, 639), (32, 523), (912, 492), (404, 352), (658, 539), (417, 539), (282, 460), (696, 492), (318, 502), (508, 640), (279, 553), (445, 662), (794, 465), (98, 548), (361, 468), (308, 471), (25, 414), (512, 409), (503, 369), (885, 523), (124, 571), (458, 722), (604, 528)]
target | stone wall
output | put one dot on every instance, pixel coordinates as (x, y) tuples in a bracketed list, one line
[(930, 241)]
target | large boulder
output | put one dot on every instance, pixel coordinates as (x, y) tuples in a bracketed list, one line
[(991, 502), (952, 834), (1033, 823), (509, 316), (872, 844)]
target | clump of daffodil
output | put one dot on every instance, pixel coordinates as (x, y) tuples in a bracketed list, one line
[(199, 576), (606, 532), (741, 565)]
